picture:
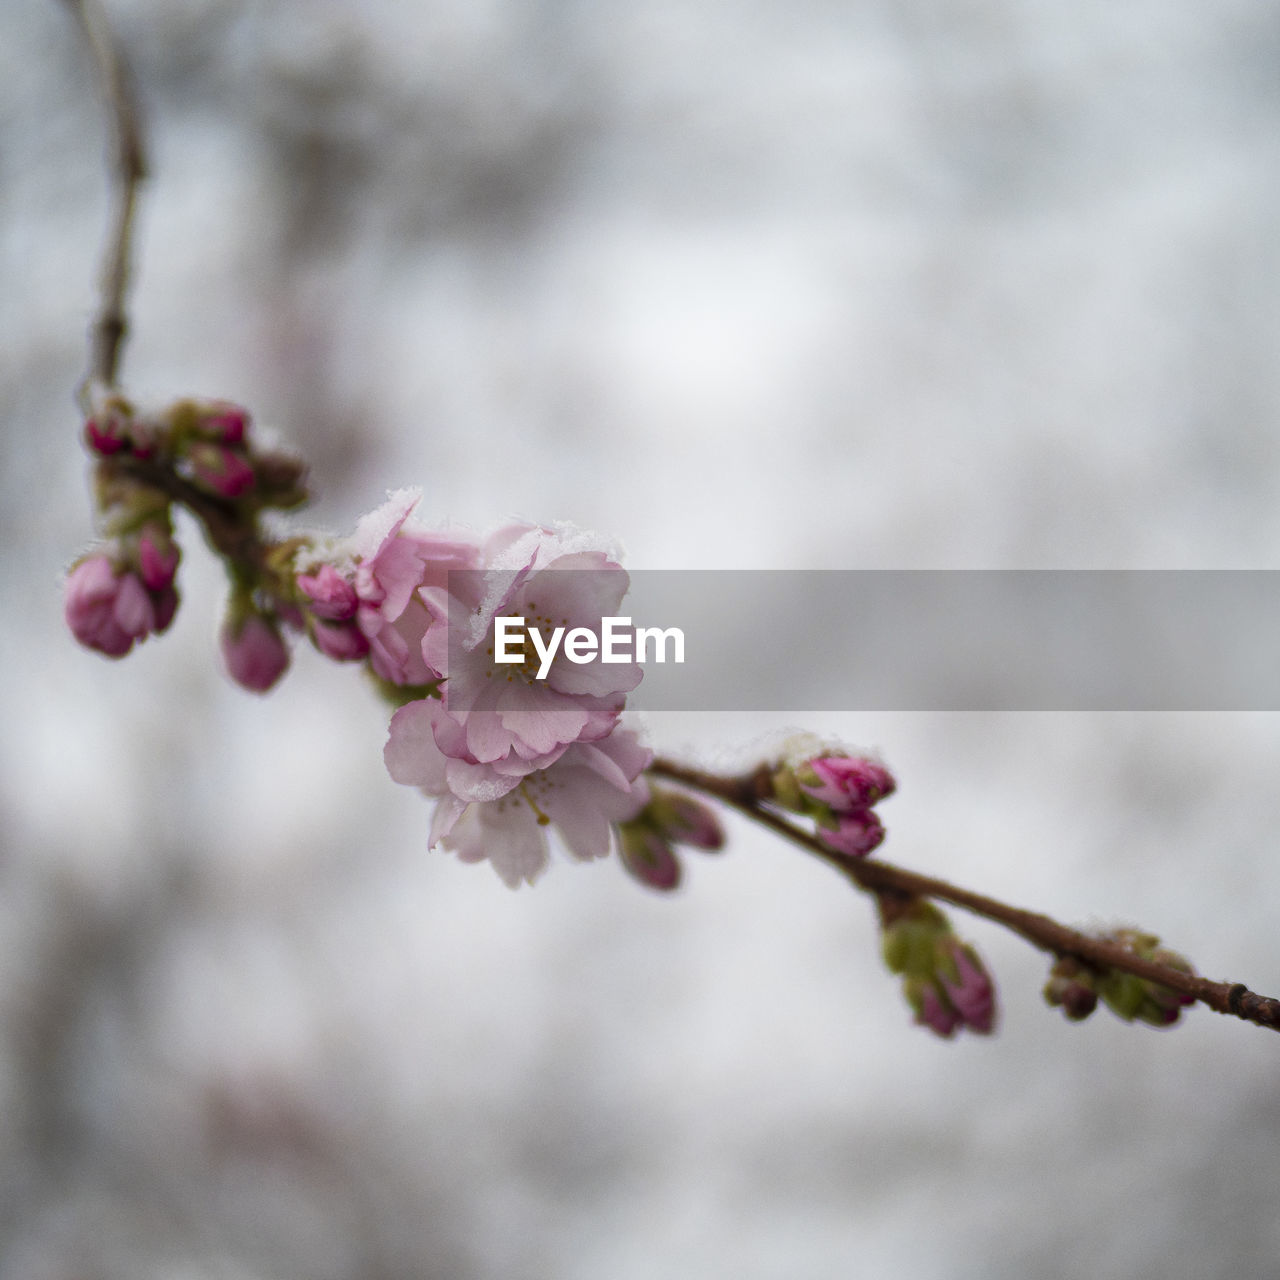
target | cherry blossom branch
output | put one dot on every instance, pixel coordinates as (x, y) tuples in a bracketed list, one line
[(749, 795), (128, 167), (356, 607)]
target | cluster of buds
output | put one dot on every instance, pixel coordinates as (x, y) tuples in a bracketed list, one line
[(124, 589), (669, 818), (1076, 988), (839, 791), (123, 592), (197, 454), (330, 605), (204, 442), (943, 979)]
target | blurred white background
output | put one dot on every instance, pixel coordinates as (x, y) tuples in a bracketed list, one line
[(876, 284)]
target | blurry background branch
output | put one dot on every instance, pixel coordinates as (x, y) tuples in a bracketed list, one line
[(128, 167)]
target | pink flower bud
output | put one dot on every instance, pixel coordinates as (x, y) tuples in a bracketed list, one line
[(92, 591), (968, 987), (684, 819), (858, 832), (932, 1009), (223, 470), (647, 856), (157, 558), (166, 605), (226, 422), (105, 437), (254, 652), (1070, 986), (339, 641), (133, 608), (332, 596), (845, 783)]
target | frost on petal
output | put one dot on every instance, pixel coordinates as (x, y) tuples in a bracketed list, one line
[(395, 562), (377, 528), (473, 781), (399, 572)]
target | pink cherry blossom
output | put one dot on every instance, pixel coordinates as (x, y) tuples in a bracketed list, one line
[(547, 578), (588, 788), (394, 561), (425, 750)]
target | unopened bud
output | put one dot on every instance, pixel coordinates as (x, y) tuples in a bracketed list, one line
[(106, 436), (166, 605), (224, 422), (254, 651), (157, 557), (968, 986), (845, 783), (931, 1007), (220, 469), (647, 856), (281, 479), (92, 600), (341, 641), (1070, 989), (332, 597), (855, 833), (910, 941), (684, 819)]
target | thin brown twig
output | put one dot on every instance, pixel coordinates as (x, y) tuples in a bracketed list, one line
[(127, 167), (746, 795)]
